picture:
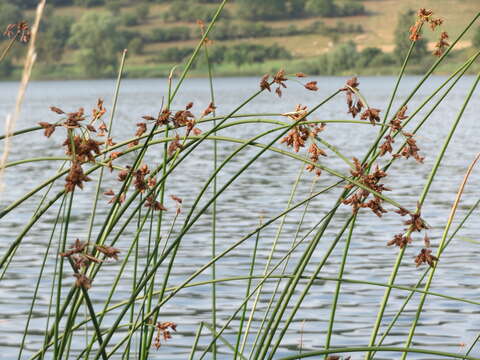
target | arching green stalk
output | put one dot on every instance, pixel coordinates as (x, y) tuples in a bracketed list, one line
[(421, 200), (445, 233)]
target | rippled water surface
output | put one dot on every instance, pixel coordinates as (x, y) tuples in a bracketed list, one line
[(261, 192)]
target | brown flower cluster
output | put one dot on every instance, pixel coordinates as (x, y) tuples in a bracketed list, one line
[(415, 224), (141, 183), (441, 44), (162, 118), (75, 177), (163, 332), (82, 281), (372, 115), (48, 128), (80, 258), (81, 148), (141, 129), (354, 103), (358, 199), (279, 78), (315, 153), (77, 247), (98, 112), (20, 31), (395, 125), (423, 16), (210, 109), (410, 149), (182, 118), (109, 251), (71, 121), (123, 174), (300, 133), (139, 180), (426, 16), (425, 257), (174, 145), (297, 136), (311, 85), (185, 118), (114, 198), (178, 203), (400, 240), (154, 204), (202, 27)]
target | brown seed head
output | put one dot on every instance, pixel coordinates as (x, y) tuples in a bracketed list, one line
[(425, 257), (312, 86), (264, 83), (82, 281), (108, 251)]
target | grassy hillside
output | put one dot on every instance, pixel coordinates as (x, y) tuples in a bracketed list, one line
[(377, 30)]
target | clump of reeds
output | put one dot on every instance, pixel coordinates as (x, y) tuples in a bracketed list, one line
[(138, 326)]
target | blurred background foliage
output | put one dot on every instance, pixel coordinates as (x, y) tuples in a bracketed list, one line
[(83, 38)]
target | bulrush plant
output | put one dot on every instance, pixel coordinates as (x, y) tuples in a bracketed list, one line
[(153, 223)]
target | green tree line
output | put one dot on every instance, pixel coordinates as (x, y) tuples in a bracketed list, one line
[(248, 9), (95, 40)]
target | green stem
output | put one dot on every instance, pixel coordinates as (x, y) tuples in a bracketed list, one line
[(445, 233), (421, 200), (339, 284), (195, 342)]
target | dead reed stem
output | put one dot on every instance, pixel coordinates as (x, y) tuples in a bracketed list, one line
[(11, 119)]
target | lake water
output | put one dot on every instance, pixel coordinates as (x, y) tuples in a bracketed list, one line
[(263, 190)]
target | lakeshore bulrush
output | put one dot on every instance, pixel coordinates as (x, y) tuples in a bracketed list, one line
[(143, 215)]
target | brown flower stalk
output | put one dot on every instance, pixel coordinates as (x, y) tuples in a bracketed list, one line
[(400, 240), (77, 247), (371, 181), (395, 125), (426, 16), (20, 31), (163, 332), (312, 86), (174, 146), (372, 115), (154, 204), (82, 281), (264, 83), (49, 129), (280, 80), (441, 45), (315, 153), (425, 257), (210, 109), (75, 177), (139, 178), (178, 202), (354, 103), (108, 251)]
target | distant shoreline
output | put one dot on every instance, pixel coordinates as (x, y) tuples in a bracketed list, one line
[(42, 73)]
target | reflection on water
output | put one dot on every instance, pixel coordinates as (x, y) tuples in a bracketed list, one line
[(263, 190)]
